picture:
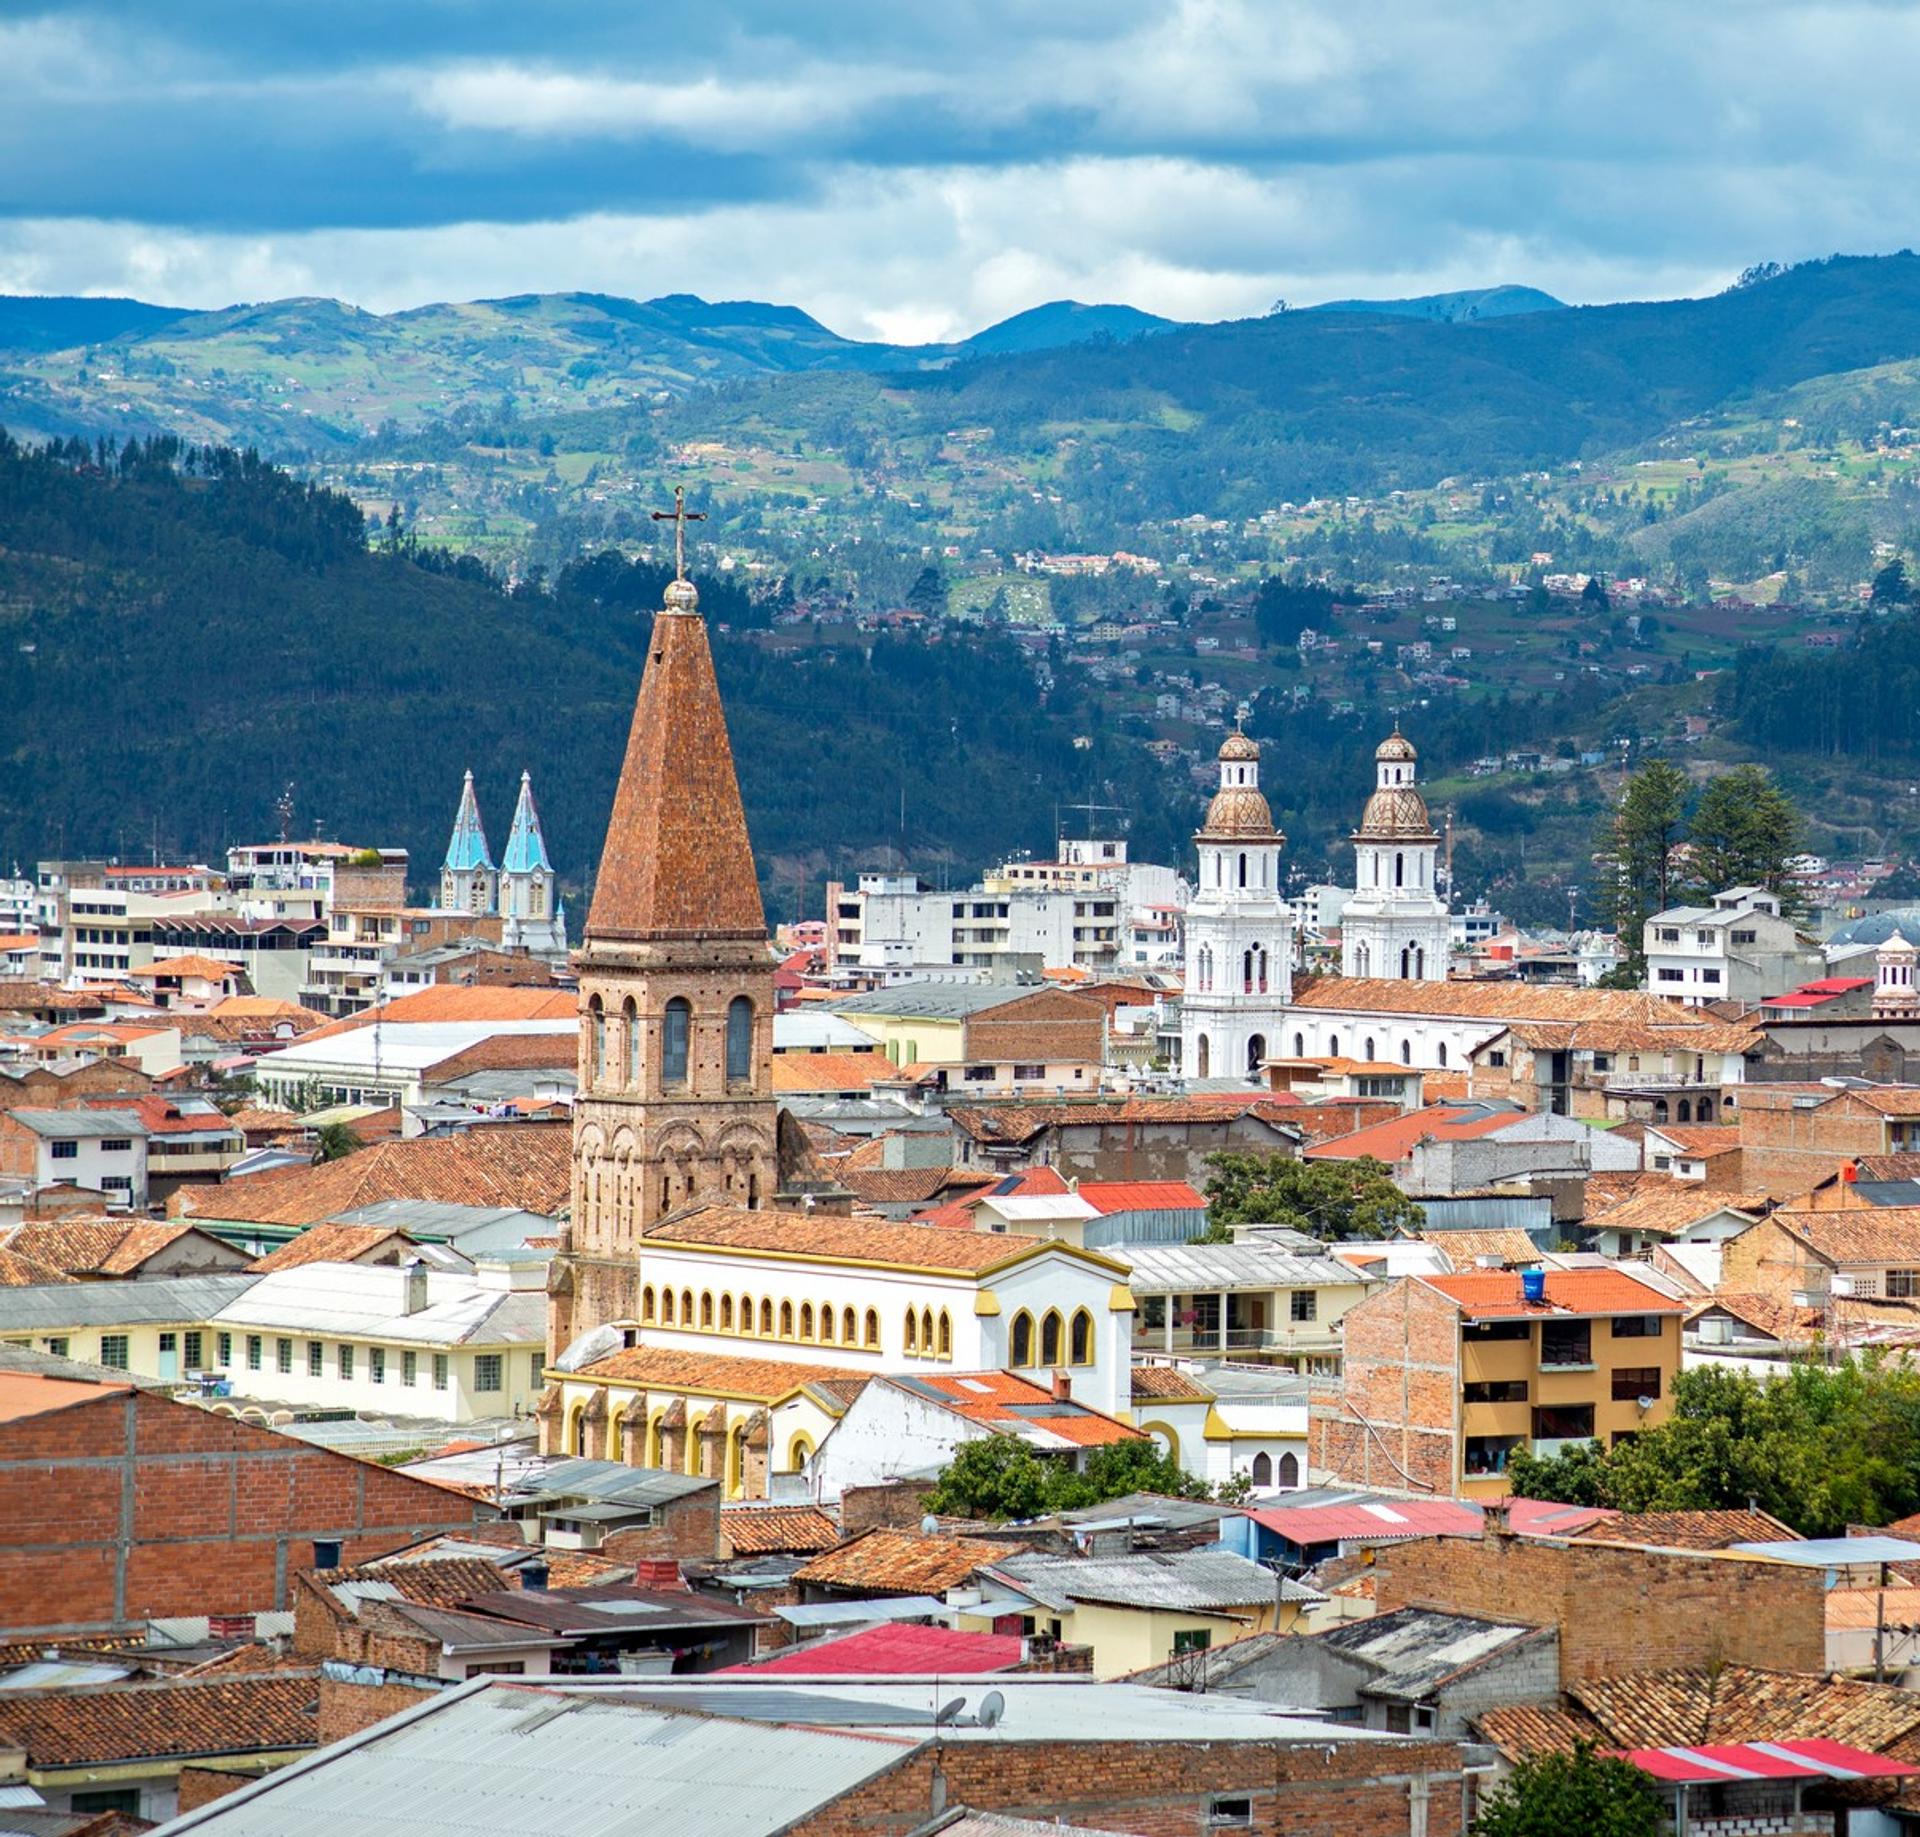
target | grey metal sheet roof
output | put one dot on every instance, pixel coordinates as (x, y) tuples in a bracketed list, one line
[(932, 1000), (70, 1123), (603, 1482), (437, 1219), (1197, 1581), (1179, 1269), (542, 1763), (1836, 1552), (851, 1613), (159, 1299)]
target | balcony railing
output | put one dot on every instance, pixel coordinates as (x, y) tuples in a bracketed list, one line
[(1305, 1336)]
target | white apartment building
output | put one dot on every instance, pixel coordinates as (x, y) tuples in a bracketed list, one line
[(890, 921), (386, 1340), (104, 1151), (1740, 948)]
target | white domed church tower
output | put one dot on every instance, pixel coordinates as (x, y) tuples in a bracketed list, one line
[(1396, 926), (1239, 962)]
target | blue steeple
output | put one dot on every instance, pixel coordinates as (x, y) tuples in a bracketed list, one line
[(526, 846), (467, 850)]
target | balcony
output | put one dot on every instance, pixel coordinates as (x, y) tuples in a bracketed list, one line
[(1304, 1336)]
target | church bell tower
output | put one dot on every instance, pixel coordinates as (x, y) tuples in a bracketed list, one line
[(675, 1103)]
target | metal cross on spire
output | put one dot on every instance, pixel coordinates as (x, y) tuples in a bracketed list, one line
[(679, 516)]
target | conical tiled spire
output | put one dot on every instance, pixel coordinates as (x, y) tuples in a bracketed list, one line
[(526, 846), (467, 847), (677, 863)]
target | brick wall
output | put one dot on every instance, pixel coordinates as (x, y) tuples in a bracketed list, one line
[(1785, 1149), (346, 1709), (1162, 1789), (687, 1530), (898, 1506), (1618, 1609), (202, 1785), (1764, 1260), (1389, 1421), (131, 1506), (1047, 1027)]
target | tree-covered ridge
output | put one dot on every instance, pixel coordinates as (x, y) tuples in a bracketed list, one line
[(185, 630)]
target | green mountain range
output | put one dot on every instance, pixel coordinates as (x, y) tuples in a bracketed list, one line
[(1450, 308)]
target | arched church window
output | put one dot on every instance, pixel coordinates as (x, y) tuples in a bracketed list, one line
[(1399, 870), (597, 1028), (1260, 969), (1366, 1051), (739, 1040), (766, 1320), (1289, 1470), (826, 1324), (946, 1334), (1333, 1046), (674, 1041), (726, 1313), (873, 1329), (806, 1320), (1299, 1045), (912, 1331), (849, 1327), (1020, 1344), (666, 1306), (1256, 1052), (1246, 973), (1080, 1340), (1263, 1468), (630, 1025), (648, 1307), (926, 1331), (1440, 1052), (1203, 1055), (1050, 1337), (786, 1320), (706, 1308), (1406, 1052), (1243, 867)]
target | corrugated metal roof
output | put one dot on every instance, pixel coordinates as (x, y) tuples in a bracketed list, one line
[(854, 1613), (1413, 1650), (161, 1299), (542, 1763), (607, 1482), (1198, 1581), (63, 1124), (1835, 1552), (366, 1301), (1179, 1269)]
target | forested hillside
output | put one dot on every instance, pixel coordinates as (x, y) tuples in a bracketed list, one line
[(184, 631)]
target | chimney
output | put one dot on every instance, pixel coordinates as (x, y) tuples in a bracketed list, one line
[(533, 1577), (1063, 1387), (416, 1293), (326, 1553), (1496, 1518), (657, 1573)]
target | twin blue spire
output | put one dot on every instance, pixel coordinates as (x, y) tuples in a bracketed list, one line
[(526, 846), (467, 850)]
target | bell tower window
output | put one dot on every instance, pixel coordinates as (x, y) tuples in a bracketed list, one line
[(675, 1038), (739, 1040)]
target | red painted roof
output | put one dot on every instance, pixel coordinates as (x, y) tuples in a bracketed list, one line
[(1812, 994), (999, 1400), (1492, 1294), (895, 1650), (1397, 1137), (1377, 1519), (1141, 1196), (1721, 1762)]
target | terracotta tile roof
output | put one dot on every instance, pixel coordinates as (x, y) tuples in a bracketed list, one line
[(262, 1008), (526, 1165), (17, 1271), (1522, 1730), (430, 1581), (1877, 1234), (1892, 1099), (1465, 1248), (1701, 1141), (878, 1186), (677, 862), (121, 1723), (803, 1073), (246, 1661), (1000, 1401), (1705, 1530), (1510, 1002), (1021, 1122), (777, 1530), (208, 969), (328, 1243), (508, 1052), (869, 1154), (853, 1240), (1609, 1189), (718, 1374), (1397, 1138), (1446, 1087), (902, 1563), (1168, 1384), (1742, 1703), (1491, 1294), (1780, 1320), (261, 1119), (455, 1001), (1862, 1609), (167, 1115), (1888, 1167), (1337, 1116), (94, 1246), (576, 1569), (1671, 1208)]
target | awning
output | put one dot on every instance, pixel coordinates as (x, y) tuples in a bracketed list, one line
[(1764, 1760)]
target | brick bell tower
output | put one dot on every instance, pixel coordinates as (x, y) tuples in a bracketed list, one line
[(675, 1103)]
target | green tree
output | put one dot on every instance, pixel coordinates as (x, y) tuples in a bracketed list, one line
[(1000, 1477), (1327, 1199), (1742, 833), (1594, 594), (1559, 1795), (335, 1141), (1891, 586), (1639, 843)]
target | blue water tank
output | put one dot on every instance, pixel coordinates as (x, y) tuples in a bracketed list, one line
[(1533, 1284)]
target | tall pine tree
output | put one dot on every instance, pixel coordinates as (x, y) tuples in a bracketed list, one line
[(1639, 849)]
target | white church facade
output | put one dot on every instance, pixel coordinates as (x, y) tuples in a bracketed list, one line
[(1397, 926)]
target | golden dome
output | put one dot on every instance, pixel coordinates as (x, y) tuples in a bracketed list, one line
[(1397, 814), (1238, 748), (1396, 746), (1239, 813)]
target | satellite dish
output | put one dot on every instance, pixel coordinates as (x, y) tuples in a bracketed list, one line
[(929, 1526), (948, 1711), (1645, 1403), (992, 1707)]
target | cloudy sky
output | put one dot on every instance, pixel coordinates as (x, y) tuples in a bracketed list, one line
[(915, 169)]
